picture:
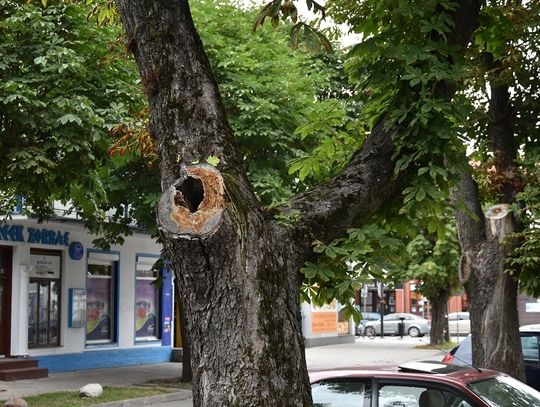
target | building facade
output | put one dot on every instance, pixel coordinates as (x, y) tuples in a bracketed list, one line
[(73, 306)]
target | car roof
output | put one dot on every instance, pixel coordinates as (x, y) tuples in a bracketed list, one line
[(531, 328), (431, 371)]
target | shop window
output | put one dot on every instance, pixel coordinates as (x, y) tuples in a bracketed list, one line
[(147, 295), (44, 299), (101, 298)]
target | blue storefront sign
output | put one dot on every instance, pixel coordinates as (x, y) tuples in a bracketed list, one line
[(76, 250)]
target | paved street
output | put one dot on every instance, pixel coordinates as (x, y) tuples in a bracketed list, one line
[(370, 352)]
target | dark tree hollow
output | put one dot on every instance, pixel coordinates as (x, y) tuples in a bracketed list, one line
[(192, 194)]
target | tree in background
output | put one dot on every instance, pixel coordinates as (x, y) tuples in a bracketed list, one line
[(500, 247), (494, 110), (434, 265)]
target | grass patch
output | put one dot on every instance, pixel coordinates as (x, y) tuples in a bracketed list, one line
[(72, 399)]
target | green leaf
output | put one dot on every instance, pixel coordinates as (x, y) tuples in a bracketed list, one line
[(69, 118), (420, 195), (213, 160)]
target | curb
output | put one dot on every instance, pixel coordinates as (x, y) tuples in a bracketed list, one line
[(147, 401)]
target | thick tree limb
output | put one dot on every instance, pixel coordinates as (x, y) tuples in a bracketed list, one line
[(352, 197)]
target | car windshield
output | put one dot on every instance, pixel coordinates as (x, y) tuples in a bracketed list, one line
[(503, 391)]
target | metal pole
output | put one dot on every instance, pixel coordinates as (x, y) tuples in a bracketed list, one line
[(381, 304)]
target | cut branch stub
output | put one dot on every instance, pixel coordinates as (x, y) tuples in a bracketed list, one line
[(501, 221), (193, 205)]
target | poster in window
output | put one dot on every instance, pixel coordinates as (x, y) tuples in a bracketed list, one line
[(145, 309), (98, 309), (77, 301), (44, 266)]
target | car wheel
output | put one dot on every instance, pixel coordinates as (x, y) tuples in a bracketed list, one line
[(414, 332), (370, 332)]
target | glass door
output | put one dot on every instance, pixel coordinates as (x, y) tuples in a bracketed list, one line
[(44, 299)]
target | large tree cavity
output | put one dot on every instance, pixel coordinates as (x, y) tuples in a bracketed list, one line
[(193, 205)]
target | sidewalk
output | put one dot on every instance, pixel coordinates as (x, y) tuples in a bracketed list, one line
[(119, 377)]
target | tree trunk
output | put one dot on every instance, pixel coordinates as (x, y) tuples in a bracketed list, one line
[(492, 292), (439, 322), (237, 267)]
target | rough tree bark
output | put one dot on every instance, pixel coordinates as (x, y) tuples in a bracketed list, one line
[(439, 322), (492, 292), (238, 273)]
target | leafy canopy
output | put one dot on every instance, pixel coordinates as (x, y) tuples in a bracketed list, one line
[(64, 83)]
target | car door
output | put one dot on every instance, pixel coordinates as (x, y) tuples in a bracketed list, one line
[(342, 392), (531, 358), (390, 323)]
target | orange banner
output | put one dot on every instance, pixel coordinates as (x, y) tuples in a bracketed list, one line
[(324, 322)]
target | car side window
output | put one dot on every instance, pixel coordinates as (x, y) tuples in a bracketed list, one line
[(529, 345), (391, 395), (345, 392)]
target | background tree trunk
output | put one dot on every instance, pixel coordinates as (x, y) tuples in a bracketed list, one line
[(491, 290), (492, 294), (439, 322)]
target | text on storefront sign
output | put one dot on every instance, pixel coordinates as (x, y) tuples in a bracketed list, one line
[(16, 233)]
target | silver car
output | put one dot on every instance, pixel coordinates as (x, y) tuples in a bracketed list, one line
[(414, 325)]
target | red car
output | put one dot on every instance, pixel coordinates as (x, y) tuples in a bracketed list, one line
[(420, 384)]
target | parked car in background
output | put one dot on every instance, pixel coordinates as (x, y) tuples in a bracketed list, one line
[(414, 325), (530, 337), (459, 323), (366, 317), (420, 384)]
